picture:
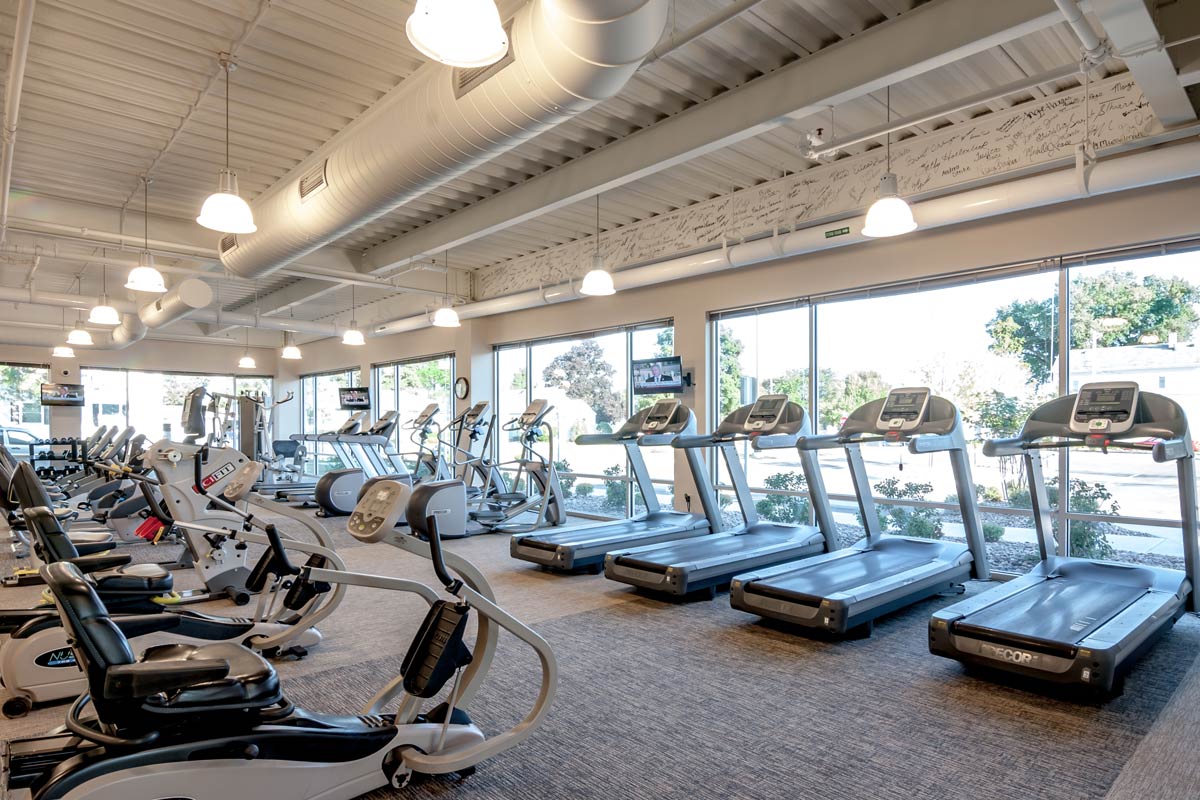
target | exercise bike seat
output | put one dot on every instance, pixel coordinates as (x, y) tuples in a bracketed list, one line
[(137, 578), (250, 682), (220, 682)]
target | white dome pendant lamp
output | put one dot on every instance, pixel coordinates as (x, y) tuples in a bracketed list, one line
[(225, 211), (598, 282), (102, 313), (290, 351), (460, 33), (144, 277), (890, 215), (353, 335), (446, 316)]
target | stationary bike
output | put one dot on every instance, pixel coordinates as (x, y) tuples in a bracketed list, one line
[(38, 666), (212, 722)]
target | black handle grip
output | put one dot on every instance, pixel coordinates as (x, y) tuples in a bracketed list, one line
[(280, 554), (197, 471), (435, 551)]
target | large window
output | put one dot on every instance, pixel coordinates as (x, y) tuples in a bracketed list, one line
[(586, 378), (322, 412), (152, 402), (21, 399), (991, 343), (407, 387)]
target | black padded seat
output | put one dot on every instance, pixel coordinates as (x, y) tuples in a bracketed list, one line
[(139, 578), (251, 682)]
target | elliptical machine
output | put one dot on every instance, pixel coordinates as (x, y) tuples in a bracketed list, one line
[(498, 511), (211, 722)]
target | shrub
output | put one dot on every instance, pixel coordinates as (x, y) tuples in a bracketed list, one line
[(988, 494), (781, 507), (1088, 539), (992, 532), (923, 522), (566, 482), (584, 490), (615, 492)]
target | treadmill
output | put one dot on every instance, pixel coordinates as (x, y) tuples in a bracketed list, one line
[(584, 547), (702, 563), (1076, 621), (844, 591)]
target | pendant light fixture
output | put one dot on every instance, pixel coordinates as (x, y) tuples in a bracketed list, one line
[(890, 215), (247, 360), (144, 277), (103, 313), (79, 336), (446, 316), (290, 351), (353, 336), (225, 211), (461, 33), (598, 282), (62, 350)]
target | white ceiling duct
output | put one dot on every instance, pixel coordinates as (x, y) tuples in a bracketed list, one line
[(566, 56), (1118, 174)]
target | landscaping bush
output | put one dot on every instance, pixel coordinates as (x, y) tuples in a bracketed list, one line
[(923, 522), (584, 490), (992, 532), (566, 482), (781, 507), (1088, 539), (615, 492)]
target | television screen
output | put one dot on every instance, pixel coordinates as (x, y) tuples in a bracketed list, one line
[(359, 397), (62, 394), (657, 375)]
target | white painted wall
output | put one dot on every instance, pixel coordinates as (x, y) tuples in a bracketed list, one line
[(1112, 221)]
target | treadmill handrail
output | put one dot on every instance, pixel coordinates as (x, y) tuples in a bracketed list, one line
[(827, 441), (597, 438), (657, 439)]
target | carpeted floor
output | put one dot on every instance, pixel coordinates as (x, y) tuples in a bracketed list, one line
[(667, 700)]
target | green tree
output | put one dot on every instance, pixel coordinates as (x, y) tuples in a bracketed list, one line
[(1111, 309), (998, 415), (665, 342), (520, 380), (729, 374), (839, 395), (583, 374), (428, 376)]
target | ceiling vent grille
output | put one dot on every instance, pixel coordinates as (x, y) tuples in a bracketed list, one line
[(228, 242), (466, 79), (314, 181)]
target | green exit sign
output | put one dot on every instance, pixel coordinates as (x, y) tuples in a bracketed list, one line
[(836, 232)]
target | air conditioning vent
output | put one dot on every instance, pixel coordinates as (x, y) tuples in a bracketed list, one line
[(467, 79), (314, 181), (228, 242)]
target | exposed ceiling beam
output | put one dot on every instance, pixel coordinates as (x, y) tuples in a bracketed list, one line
[(931, 36), (1136, 40)]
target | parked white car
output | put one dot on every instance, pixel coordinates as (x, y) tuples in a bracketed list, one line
[(17, 440)]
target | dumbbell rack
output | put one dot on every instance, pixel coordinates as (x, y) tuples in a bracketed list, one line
[(56, 461)]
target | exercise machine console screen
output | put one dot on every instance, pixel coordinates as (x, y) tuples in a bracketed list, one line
[(62, 394), (658, 375), (358, 397)]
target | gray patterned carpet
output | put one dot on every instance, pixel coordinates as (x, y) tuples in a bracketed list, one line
[(697, 701)]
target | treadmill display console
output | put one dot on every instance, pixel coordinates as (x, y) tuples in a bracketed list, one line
[(429, 412), (765, 414), (533, 413), (660, 415), (904, 409), (1104, 408)]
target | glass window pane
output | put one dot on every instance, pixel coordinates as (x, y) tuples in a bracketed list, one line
[(20, 398), (1133, 320), (660, 461), (106, 397), (764, 353), (512, 396), (586, 381)]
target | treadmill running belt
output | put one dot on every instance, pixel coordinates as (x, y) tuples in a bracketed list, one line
[(1056, 611), (814, 583)]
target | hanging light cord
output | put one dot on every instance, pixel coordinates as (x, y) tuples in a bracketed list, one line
[(146, 211), (889, 124), (597, 224), (227, 64)]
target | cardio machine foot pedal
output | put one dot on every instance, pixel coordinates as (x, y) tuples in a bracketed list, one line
[(438, 650)]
